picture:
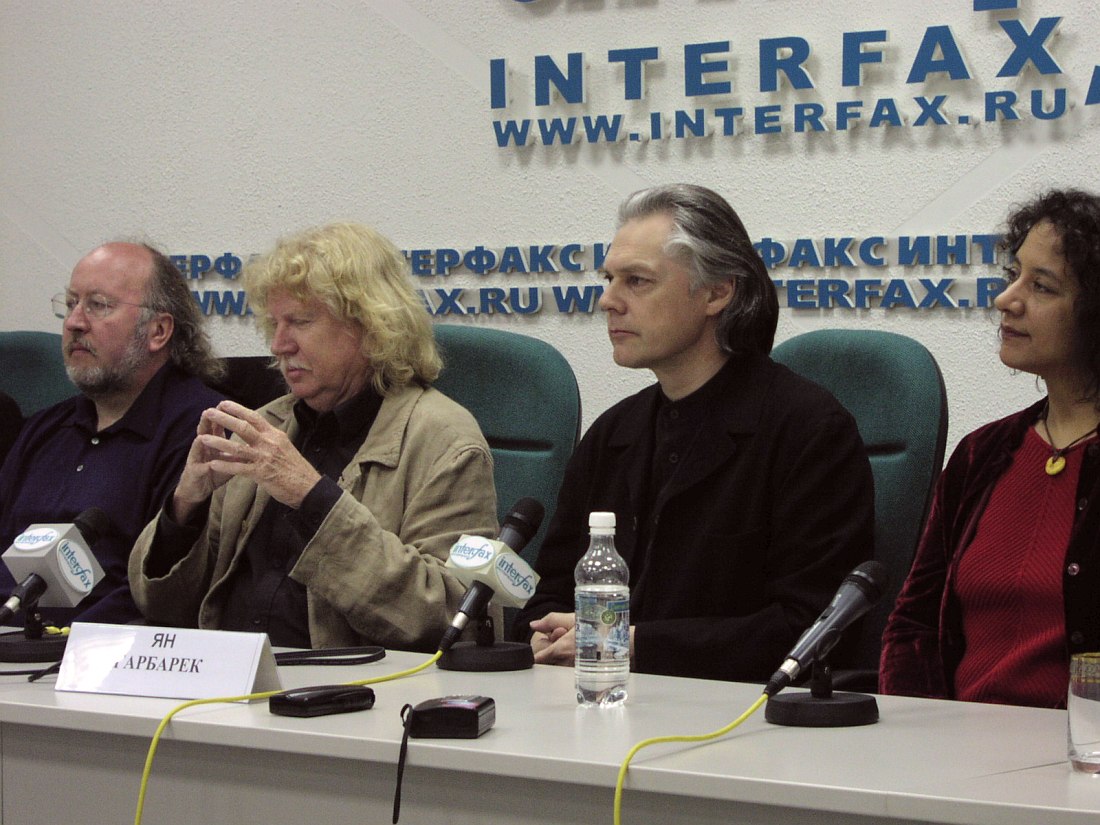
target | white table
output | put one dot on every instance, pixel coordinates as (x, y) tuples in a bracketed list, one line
[(68, 757)]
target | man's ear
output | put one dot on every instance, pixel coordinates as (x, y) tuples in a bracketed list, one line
[(160, 331), (719, 296)]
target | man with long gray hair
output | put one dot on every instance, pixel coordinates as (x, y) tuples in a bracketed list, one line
[(134, 345), (742, 493)]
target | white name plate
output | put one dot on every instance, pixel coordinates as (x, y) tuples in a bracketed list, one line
[(166, 662)]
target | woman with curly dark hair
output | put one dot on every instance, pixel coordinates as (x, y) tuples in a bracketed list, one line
[(1006, 581)]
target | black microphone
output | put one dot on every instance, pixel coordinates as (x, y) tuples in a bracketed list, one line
[(54, 563), (481, 565), (857, 594)]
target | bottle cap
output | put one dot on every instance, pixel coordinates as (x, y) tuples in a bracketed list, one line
[(602, 521)]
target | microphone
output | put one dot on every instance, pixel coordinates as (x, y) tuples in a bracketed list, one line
[(53, 563), (857, 594), (494, 568)]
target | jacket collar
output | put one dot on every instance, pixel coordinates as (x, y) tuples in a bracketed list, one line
[(739, 389), (384, 441)]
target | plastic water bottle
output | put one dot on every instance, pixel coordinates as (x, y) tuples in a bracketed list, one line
[(602, 662)]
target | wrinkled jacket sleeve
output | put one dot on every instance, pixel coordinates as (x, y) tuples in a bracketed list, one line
[(391, 585), (173, 599), (374, 570)]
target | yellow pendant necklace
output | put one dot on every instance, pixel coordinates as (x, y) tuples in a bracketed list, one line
[(1057, 461)]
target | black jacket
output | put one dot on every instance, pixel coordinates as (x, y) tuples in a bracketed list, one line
[(768, 511)]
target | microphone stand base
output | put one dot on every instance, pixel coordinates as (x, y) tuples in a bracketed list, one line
[(498, 656), (31, 645), (804, 710), (15, 647)]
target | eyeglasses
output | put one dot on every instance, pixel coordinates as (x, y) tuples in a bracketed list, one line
[(95, 306)]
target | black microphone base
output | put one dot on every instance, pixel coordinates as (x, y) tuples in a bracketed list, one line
[(499, 656), (804, 710), (16, 647)]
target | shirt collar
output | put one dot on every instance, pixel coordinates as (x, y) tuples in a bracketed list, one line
[(696, 403), (350, 416), (143, 416)]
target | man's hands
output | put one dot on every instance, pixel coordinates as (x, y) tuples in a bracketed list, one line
[(261, 452), (555, 639)]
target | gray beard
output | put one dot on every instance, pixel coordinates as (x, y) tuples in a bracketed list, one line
[(101, 382)]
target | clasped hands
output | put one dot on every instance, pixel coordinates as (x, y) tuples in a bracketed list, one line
[(554, 640), (261, 452)]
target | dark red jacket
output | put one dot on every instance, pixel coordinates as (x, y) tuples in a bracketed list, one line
[(923, 642)]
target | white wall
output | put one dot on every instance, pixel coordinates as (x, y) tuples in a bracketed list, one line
[(211, 127)]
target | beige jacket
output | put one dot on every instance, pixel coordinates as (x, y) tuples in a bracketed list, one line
[(374, 570)]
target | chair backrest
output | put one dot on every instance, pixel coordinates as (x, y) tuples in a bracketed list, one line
[(893, 387), (251, 380), (525, 398), (32, 370)]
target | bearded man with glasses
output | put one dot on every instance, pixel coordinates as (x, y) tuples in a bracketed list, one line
[(134, 345)]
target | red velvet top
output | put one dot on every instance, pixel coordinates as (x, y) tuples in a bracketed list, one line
[(925, 641), (1009, 585)]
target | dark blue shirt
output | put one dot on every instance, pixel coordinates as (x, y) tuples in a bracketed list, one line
[(60, 466)]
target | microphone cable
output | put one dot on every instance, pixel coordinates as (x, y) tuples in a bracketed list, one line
[(657, 740), (247, 697)]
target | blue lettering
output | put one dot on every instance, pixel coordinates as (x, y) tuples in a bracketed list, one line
[(1029, 47), (498, 73), (511, 132), (898, 294), (695, 67), (950, 61), (808, 114), (886, 111), (570, 85), (989, 289), (936, 293), (685, 123), (833, 292), (566, 257), (916, 250), (866, 290), (930, 110), (854, 57), (771, 64), (633, 61), (1000, 103), (600, 128), (494, 300), (800, 295), (1055, 111), (534, 300), (576, 299), (557, 129)]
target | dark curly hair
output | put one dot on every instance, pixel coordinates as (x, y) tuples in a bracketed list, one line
[(190, 347), (1075, 216)]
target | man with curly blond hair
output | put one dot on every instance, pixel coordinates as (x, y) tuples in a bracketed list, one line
[(324, 519)]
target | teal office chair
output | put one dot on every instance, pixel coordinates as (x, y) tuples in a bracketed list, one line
[(893, 387), (525, 398), (32, 370)]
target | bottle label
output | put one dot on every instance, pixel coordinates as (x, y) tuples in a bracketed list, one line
[(603, 628)]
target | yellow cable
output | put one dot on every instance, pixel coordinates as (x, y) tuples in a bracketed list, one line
[(657, 740), (247, 697)]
